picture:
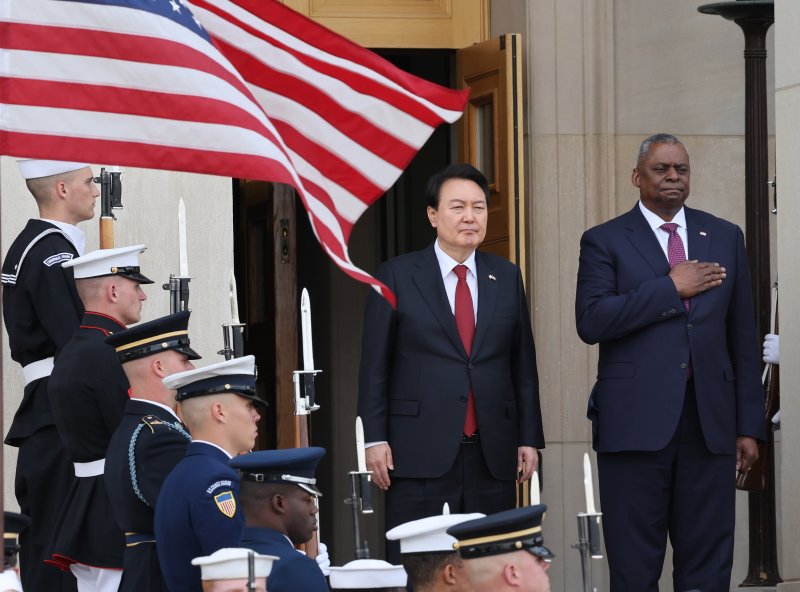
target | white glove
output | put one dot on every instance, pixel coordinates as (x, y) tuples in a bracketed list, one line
[(323, 559), (772, 349)]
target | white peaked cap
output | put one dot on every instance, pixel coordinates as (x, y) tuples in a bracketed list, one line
[(231, 564), (34, 169), (428, 535), (105, 261), (245, 366), (368, 573)]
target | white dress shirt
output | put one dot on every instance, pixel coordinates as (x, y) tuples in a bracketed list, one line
[(662, 235), (450, 279)]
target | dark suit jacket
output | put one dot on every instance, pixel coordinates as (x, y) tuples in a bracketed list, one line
[(415, 374), (626, 302)]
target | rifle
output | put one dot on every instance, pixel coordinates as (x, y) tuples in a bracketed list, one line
[(178, 285), (110, 200), (304, 398), (757, 478)]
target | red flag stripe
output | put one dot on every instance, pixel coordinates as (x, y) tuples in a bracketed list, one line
[(311, 39), (273, 96), (349, 120), (256, 42)]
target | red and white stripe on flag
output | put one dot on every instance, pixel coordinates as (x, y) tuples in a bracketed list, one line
[(238, 88)]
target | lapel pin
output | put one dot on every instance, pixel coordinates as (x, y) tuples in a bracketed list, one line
[(491, 277), (702, 233)]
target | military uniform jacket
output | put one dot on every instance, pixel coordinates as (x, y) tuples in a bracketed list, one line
[(88, 391), (294, 572), (143, 450), (41, 311), (197, 513)]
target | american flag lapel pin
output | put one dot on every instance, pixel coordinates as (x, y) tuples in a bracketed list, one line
[(491, 277)]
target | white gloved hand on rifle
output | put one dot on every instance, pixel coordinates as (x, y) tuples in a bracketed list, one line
[(323, 559), (772, 349)]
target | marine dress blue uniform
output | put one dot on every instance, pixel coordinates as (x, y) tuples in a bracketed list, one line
[(197, 513)]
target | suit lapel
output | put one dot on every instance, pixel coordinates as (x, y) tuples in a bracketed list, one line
[(428, 279), (487, 298), (699, 237), (644, 241)]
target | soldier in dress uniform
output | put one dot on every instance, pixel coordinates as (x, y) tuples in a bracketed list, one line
[(505, 551), (428, 554), (13, 525), (88, 391), (149, 441), (369, 575), (42, 310), (278, 494), (228, 570), (197, 511)]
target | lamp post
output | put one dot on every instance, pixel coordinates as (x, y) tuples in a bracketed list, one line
[(755, 18)]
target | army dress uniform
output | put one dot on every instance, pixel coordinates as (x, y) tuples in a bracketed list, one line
[(144, 449), (197, 513), (41, 311), (148, 443)]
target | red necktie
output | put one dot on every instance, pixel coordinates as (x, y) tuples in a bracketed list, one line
[(675, 251), (465, 323), (676, 254)]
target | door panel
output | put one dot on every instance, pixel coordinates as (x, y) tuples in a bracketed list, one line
[(490, 137)]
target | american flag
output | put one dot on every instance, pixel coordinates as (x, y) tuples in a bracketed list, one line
[(237, 88)]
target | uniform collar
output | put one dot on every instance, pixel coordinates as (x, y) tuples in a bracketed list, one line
[(75, 235)]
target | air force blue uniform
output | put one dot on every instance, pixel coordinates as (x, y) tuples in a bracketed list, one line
[(197, 513), (295, 571)]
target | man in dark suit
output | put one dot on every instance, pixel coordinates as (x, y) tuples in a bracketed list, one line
[(448, 387), (677, 405)]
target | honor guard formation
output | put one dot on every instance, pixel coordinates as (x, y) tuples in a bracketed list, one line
[(136, 470)]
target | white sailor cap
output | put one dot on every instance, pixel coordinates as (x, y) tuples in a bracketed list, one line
[(428, 535), (34, 169), (367, 573), (231, 564), (235, 376), (122, 261)]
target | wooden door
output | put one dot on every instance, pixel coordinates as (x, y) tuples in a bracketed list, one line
[(265, 263), (490, 137)]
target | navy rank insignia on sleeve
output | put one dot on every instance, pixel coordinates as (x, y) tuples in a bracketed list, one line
[(226, 503)]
